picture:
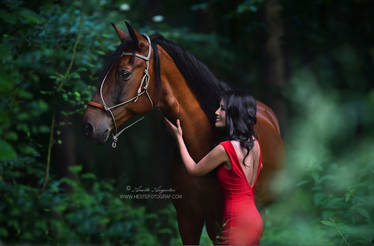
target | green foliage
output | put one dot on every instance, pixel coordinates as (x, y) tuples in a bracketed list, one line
[(325, 194), (71, 211), (249, 5), (38, 76)]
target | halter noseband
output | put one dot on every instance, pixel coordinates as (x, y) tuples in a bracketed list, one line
[(145, 79)]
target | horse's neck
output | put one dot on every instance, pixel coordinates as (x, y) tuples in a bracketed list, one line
[(178, 101)]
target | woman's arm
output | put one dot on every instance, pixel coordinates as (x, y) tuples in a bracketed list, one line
[(209, 162)]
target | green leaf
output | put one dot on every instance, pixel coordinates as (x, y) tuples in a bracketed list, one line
[(3, 233), (41, 105), (7, 17), (12, 136), (75, 169), (23, 127), (6, 151), (75, 75), (165, 231), (46, 92), (28, 150), (22, 116), (347, 197), (319, 198), (56, 76), (200, 6), (31, 16), (77, 95), (364, 213), (302, 182), (6, 83), (43, 129), (69, 182), (65, 97), (88, 176), (83, 69), (4, 51), (327, 223), (61, 207), (104, 221), (24, 94), (15, 224)]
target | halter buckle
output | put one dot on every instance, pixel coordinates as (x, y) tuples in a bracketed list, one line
[(114, 143)]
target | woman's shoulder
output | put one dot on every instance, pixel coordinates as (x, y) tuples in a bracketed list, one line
[(224, 143)]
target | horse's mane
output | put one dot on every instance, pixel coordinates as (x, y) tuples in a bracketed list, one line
[(203, 84)]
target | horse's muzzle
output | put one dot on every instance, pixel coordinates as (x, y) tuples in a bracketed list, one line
[(99, 135)]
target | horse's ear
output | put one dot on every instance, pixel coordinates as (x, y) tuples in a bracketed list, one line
[(121, 34), (139, 40)]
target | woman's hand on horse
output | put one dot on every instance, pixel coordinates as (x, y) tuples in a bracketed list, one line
[(175, 130)]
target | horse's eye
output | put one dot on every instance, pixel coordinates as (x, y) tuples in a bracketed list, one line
[(123, 74)]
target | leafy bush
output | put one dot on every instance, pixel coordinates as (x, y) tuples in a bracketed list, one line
[(48, 53), (325, 193), (70, 211)]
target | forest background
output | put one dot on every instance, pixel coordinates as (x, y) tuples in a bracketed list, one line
[(311, 61)]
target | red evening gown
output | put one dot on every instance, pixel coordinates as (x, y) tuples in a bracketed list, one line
[(242, 223)]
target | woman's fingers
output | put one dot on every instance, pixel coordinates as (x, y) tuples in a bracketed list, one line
[(179, 126), (177, 130), (169, 123)]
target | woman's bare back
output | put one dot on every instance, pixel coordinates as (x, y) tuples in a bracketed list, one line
[(251, 162)]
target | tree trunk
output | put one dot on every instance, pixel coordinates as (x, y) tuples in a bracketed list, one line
[(274, 68)]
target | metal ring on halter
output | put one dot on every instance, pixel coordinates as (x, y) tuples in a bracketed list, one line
[(145, 78)]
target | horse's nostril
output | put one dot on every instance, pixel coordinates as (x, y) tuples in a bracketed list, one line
[(87, 129)]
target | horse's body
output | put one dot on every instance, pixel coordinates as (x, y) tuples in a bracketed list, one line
[(187, 90)]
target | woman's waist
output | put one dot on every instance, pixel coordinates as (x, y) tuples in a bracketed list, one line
[(238, 204), (234, 209), (239, 200), (238, 195)]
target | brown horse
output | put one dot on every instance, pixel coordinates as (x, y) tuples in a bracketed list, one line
[(145, 73)]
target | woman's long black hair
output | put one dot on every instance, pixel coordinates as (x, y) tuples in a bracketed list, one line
[(240, 109)]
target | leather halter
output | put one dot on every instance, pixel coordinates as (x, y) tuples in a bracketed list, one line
[(145, 79)]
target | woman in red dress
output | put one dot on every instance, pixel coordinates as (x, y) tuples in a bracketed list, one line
[(238, 160)]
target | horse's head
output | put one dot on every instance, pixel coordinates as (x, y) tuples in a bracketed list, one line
[(125, 89)]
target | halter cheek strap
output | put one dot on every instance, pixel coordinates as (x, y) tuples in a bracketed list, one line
[(141, 90)]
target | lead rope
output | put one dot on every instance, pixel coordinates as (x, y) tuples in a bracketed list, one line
[(115, 137), (145, 78)]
